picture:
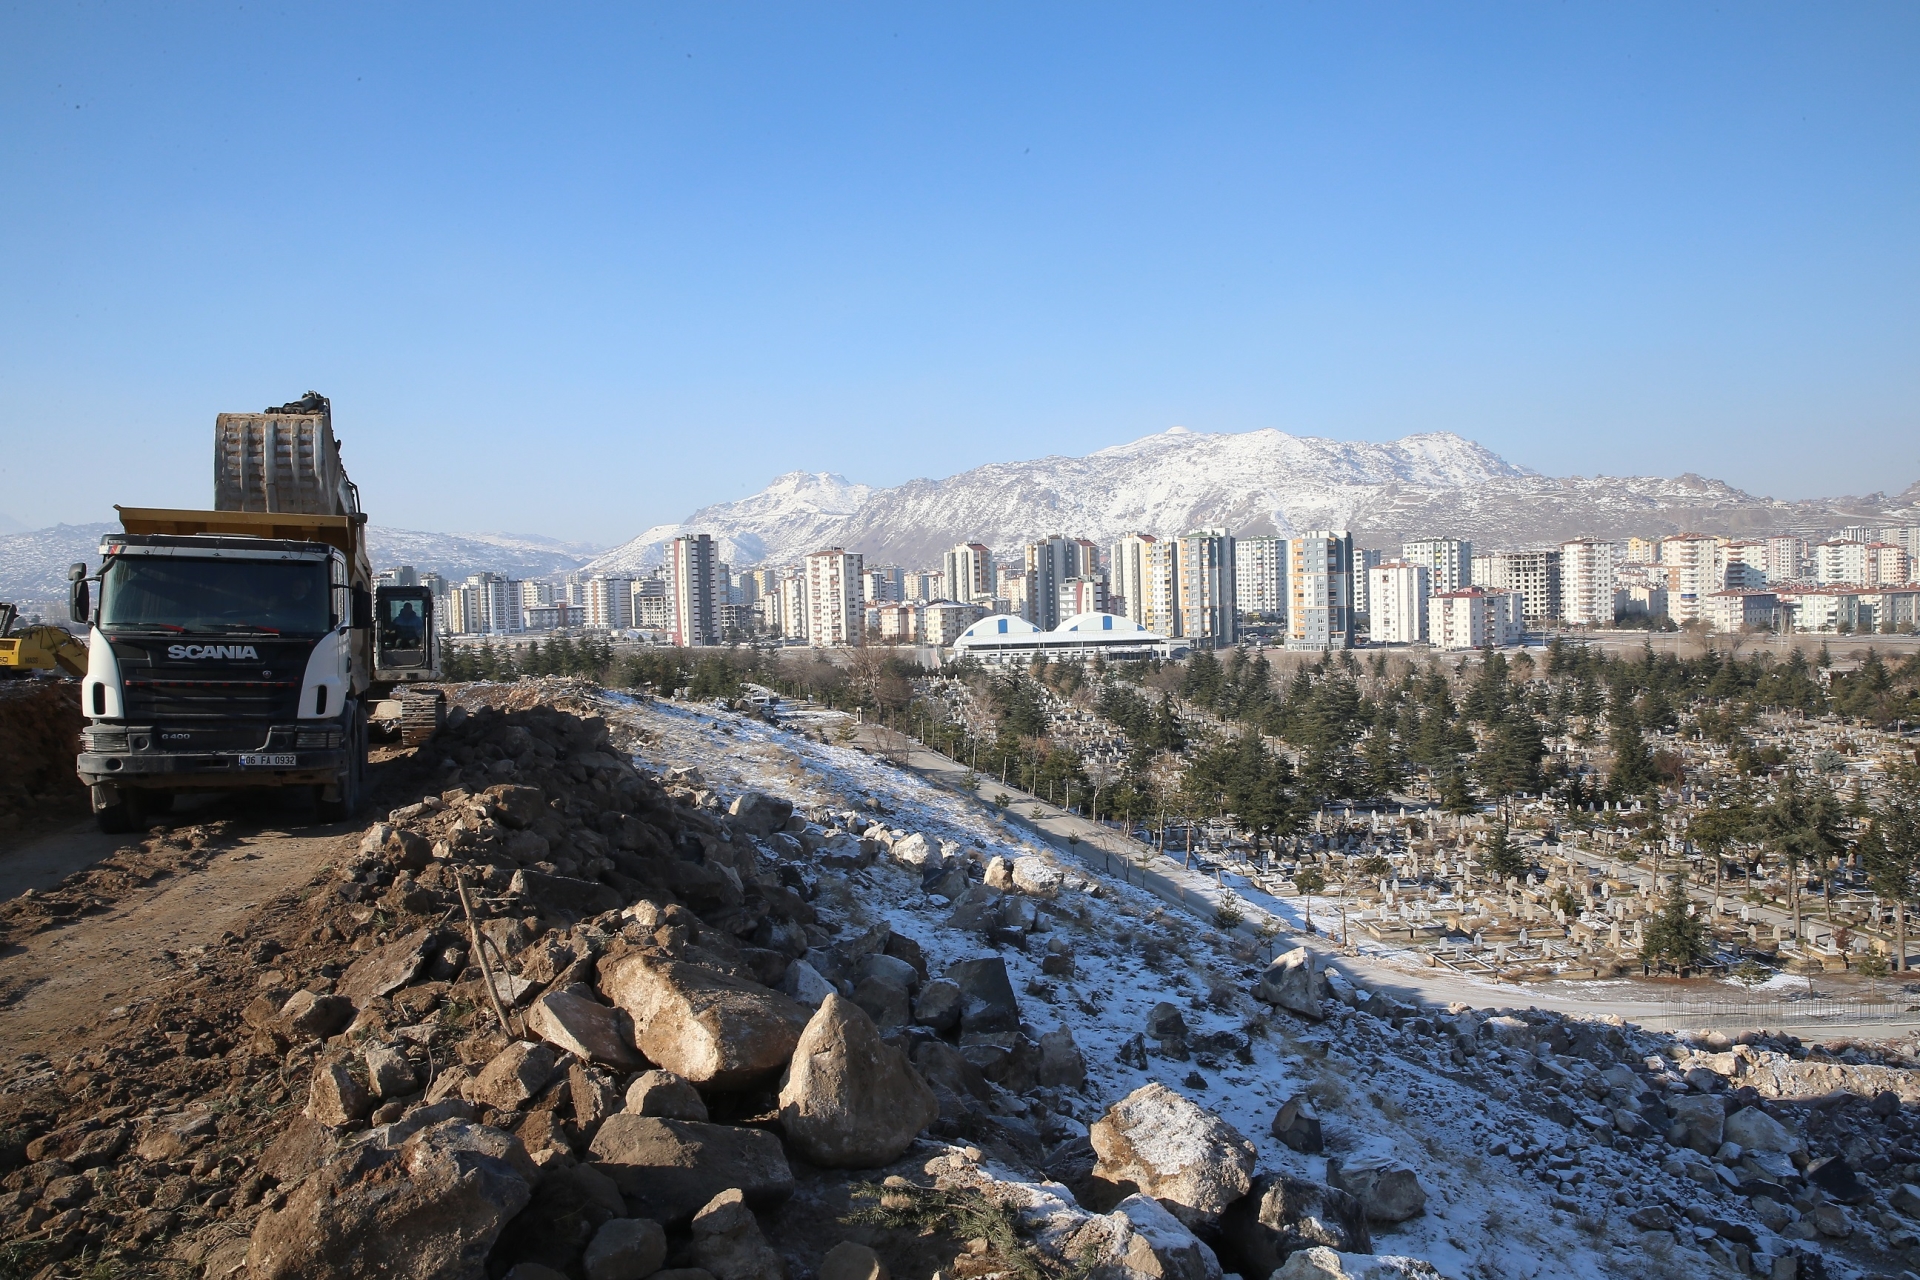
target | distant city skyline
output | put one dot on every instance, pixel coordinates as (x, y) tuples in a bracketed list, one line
[(581, 272)]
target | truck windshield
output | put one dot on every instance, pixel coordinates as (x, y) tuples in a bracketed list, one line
[(215, 597)]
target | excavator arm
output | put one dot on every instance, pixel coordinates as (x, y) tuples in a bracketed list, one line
[(38, 648)]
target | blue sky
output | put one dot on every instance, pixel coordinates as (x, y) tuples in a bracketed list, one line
[(578, 269)]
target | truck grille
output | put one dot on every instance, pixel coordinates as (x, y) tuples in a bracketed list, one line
[(189, 700)]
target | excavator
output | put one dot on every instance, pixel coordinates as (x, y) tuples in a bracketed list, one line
[(37, 648)]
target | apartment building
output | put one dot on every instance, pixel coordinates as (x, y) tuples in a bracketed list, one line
[(922, 586), (1397, 593), (1694, 572), (1320, 590), (1363, 563), (942, 621), (1587, 582), (882, 584), (1449, 561), (1083, 595), (652, 606), (1162, 612), (1129, 572), (693, 585), (485, 604), (1787, 558), (1734, 611), (607, 603), (834, 614), (969, 572), (1476, 618), (1260, 577), (1209, 613), (1052, 561), (1535, 574), (1841, 562)]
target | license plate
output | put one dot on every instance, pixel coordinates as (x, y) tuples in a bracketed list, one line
[(270, 762)]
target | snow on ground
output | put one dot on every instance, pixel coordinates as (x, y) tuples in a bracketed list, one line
[(1489, 1216)]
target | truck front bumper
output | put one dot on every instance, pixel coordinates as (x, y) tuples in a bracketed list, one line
[(170, 770)]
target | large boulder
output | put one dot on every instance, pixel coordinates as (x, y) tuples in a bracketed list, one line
[(849, 1100), (625, 1249), (430, 1210), (760, 814), (1176, 1151), (1388, 1191), (335, 1096), (514, 1075), (1281, 1215), (1140, 1240), (987, 1002), (918, 852), (668, 1169), (715, 1029), (1036, 876), (727, 1243), (1755, 1130), (1295, 983), (666, 1095), (1705, 1121), (1320, 1263), (574, 1021), (1298, 1125), (1062, 1065)]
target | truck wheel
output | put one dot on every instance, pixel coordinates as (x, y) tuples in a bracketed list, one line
[(351, 779), (120, 819)]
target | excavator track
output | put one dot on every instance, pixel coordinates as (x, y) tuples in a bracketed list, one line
[(422, 711)]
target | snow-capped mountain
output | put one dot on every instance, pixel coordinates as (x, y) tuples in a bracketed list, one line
[(33, 565), (1252, 483)]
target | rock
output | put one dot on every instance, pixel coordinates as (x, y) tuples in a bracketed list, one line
[(534, 1271), (625, 1249), (1062, 1065), (716, 1030), (759, 813), (429, 1211), (1705, 1120), (886, 1004), (666, 1095), (849, 1100), (1833, 1175), (1831, 1220), (513, 1076), (880, 967), (1174, 1150), (804, 985), (851, 1261), (383, 972), (1295, 983), (987, 1002), (1320, 1263), (1281, 1215), (727, 1242), (575, 1023), (1387, 1190), (567, 893), (1755, 1130), (668, 1169), (517, 807), (1906, 1199), (939, 1005), (1165, 1023), (593, 1096), (388, 1070), (1652, 1217), (306, 1016), (1036, 877), (1298, 1125), (335, 1097), (999, 873), (1509, 1031), (1140, 1239), (918, 852), (901, 947), (170, 1138)]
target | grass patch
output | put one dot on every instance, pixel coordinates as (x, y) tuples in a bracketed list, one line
[(964, 1215)]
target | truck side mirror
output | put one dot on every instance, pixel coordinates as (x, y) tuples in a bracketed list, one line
[(79, 599), (362, 609)]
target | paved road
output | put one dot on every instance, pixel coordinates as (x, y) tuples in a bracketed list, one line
[(1113, 853)]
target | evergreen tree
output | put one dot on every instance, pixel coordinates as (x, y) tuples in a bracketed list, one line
[(1503, 858), (1454, 796), (1674, 935)]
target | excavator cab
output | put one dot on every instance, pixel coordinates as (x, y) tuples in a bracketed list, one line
[(406, 653)]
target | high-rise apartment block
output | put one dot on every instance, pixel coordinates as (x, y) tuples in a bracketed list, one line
[(969, 572), (1128, 579), (1449, 561), (882, 584), (1786, 558), (1050, 562), (1260, 577), (1083, 595), (1476, 618), (1694, 572), (834, 615), (1587, 582), (1209, 615), (1362, 562), (608, 602), (694, 588), (1534, 574), (1397, 602), (1320, 590), (486, 604)]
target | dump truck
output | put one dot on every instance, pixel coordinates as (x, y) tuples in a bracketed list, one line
[(247, 646)]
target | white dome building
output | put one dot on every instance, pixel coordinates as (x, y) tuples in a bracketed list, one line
[(1003, 638)]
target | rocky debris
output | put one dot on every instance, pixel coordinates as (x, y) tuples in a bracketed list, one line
[(987, 1002), (1036, 876), (572, 1021), (1281, 1215), (1319, 1263), (427, 1210), (513, 1075), (759, 814), (727, 1243), (1699, 1123), (1295, 983), (665, 1095), (1062, 1065), (850, 1260), (715, 1028), (625, 1249), (1174, 1150), (1298, 1125), (1388, 1191), (848, 1099), (335, 1096), (1140, 1238), (669, 1169)]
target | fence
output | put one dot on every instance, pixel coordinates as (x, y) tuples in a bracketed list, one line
[(1891, 1009)]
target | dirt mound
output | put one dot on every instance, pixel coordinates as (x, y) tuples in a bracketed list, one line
[(39, 738)]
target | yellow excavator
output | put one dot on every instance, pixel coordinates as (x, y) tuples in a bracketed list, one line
[(37, 648)]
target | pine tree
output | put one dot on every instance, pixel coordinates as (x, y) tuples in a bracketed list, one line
[(1503, 859), (1454, 796), (1674, 936)]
